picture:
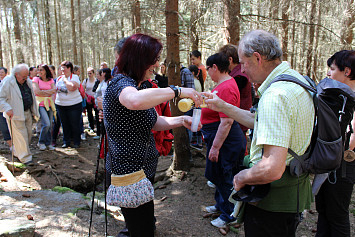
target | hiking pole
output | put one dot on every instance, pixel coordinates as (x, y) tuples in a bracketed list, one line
[(95, 183), (12, 149), (105, 173)]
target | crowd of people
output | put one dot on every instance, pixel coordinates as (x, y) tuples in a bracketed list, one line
[(132, 99)]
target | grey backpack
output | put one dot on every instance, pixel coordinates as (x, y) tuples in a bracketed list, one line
[(334, 104)]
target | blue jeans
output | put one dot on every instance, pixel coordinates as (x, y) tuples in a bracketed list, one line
[(70, 117), (4, 128), (46, 122)]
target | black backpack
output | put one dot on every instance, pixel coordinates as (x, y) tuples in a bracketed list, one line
[(334, 104)]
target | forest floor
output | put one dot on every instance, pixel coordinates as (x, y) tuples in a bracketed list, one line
[(180, 198)]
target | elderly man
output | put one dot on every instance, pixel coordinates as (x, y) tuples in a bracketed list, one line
[(18, 103), (284, 119)]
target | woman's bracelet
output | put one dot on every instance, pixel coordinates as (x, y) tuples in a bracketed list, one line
[(176, 90)]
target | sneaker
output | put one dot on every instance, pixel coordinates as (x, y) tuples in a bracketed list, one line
[(211, 209), (96, 137), (196, 146), (210, 184), (51, 147), (65, 146), (83, 136), (219, 223), (41, 147)]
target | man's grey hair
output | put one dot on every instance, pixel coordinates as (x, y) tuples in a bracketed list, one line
[(262, 42), (120, 44), (18, 68)]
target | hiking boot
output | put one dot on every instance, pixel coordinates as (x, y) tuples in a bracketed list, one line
[(211, 209), (51, 147), (219, 223), (41, 147)]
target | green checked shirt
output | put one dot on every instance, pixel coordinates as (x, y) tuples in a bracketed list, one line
[(284, 118)]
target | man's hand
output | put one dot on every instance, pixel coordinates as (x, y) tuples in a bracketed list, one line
[(213, 154), (10, 113), (214, 102), (237, 181)]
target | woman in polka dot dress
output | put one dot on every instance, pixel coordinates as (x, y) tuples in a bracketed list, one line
[(129, 117)]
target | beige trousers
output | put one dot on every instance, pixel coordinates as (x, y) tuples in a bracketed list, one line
[(21, 134)]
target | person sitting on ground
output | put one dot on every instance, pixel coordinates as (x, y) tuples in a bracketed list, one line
[(18, 103), (224, 140), (44, 88)]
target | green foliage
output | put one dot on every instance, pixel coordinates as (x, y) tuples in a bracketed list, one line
[(62, 189)]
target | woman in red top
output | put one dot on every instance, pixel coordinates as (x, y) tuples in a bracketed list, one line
[(224, 140)]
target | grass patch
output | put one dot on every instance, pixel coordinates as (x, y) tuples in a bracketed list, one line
[(59, 189), (75, 210)]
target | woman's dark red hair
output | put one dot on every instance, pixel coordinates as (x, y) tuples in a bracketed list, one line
[(138, 53)]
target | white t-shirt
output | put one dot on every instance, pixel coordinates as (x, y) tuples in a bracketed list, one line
[(64, 96), (88, 87), (198, 86)]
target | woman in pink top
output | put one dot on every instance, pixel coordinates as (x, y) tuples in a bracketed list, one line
[(44, 89)]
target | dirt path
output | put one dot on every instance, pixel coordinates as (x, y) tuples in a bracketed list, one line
[(180, 199)]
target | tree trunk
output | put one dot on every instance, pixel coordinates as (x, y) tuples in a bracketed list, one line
[(83, 71), (232, 19), (315, 58), (181, 140), (347, 34), (302, 37), (193, 27), (285, 24), (1, 58), (293, 53), (274, 13), (136, 16), (60, 32), (24, 34), (73, 31), (39, 35), (44, 31), (59, 55), (311, 37), (49, 41), (17, 32), (9, 38)]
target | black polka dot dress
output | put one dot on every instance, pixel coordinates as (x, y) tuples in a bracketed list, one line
[(128, 132)]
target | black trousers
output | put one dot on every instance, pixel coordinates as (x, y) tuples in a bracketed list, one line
[(89, 109), (140, 221), (258, 222), (332, 204)]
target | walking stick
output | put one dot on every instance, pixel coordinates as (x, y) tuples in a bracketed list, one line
[(105, 182), (12, 149), (95, 182)]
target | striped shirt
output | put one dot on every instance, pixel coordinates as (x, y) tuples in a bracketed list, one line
[(285, 115)]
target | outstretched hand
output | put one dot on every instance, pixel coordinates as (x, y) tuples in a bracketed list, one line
[(214, 102), (187, 122), (193, 94)]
